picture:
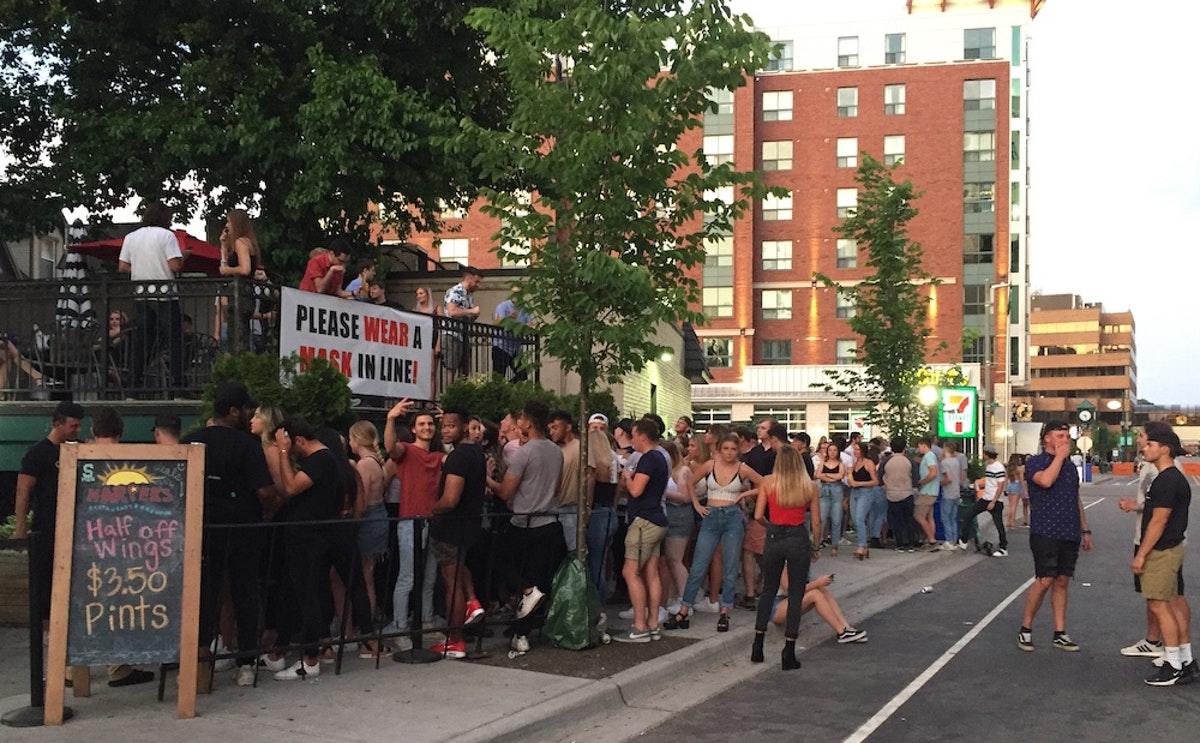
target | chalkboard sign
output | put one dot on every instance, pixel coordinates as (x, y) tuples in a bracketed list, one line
[(127, 559)]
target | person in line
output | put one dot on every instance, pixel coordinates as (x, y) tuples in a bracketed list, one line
[(681, 521), (898, 488), (864, 490), (566, 499), (167, 427), (727, 481), (506, 345), (534, 543), (263, 423), (989, 497), (787, 496), (818, 596), (418, 468), (927, 491), (459, 304), (1151, 646), (647, 515), (457, 526), (237, 486), (830, 474), (151, 254), (603, 472), (683, 430), (952, 477), (700, 452), (372, 536), (598, 422), (1014, 489), (1160, 555), (326, 269), (1057, 530), (364, 287), (802, 443)]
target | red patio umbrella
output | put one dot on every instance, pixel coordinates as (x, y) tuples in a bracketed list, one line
[(203, 258)]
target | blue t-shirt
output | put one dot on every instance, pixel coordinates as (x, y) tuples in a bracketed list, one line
[(508, 342), (929, 461), (650, 505), (1055, 510)]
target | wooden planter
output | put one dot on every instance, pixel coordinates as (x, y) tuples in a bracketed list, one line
[(14, 588)]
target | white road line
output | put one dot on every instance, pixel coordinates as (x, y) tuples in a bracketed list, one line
[(870, 726)]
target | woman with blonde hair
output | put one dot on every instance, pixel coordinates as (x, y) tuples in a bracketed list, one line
[(681, 521), (373, 528), (789, 494), (263, 424)]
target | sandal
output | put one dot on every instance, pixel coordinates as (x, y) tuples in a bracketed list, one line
[(679, 621), (723, 623)]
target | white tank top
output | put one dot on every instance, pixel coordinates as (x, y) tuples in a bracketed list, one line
[(723, 494)]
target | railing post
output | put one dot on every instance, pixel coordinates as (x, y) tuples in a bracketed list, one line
[(237, 331)]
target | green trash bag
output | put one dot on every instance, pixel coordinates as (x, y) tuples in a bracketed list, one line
[(573, 621)]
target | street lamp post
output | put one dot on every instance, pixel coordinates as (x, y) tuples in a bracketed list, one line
[(987, 388)]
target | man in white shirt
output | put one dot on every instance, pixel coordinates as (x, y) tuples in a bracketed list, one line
[(151, 254)]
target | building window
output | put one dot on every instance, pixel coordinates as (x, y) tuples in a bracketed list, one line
[(975, 299), (973, 350), (777, 304), (893, 149), (777, 105), (718, 119), (777, 255), (781, 59), (979, 147), (979, 95), (718, 301), (776, 352), (1014, 356), (718, 149), (704, 418), (847, 102), (723, 195), (847, 351), (718, 352), (978, 249), (893, 49), (1015, 151), (455, 250), (979, 43), (446, 211), (848, 51), (979, 198), (1014, 199), (847, 253), (776, 209), (777, 155), (1014, 305), (893, 100), (1014, 255), (847, 202), (792, 419), (1015, 106), (846, 308), (718, 251), (847, 152)]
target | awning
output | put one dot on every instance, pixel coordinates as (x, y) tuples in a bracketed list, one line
[(205, 257)]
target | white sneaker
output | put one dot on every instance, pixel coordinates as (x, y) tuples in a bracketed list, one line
[(662, 615), (672, 608), (963, 544), (300, 671), (403, 642), (1000, 553), (1143, 649), (245, 676), (626, 613), (530, 602), (520, 643), (707, 606), (274, 666), (845, 542), (218, 648)]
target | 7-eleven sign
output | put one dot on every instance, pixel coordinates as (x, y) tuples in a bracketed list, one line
[(956, 412)]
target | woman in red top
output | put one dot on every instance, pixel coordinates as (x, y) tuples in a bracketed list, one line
[(790, 495)]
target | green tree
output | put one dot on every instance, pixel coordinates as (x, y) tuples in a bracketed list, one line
[(891, 307), (609, 212), (304, 110)]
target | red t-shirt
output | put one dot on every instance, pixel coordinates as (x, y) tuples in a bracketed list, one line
[(317, 266), (419, 472), (782, 515)]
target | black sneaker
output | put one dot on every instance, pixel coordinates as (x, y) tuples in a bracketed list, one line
[(1166, 676), (850, 634), (1063, 641), (1191, 673), (1025, 641)]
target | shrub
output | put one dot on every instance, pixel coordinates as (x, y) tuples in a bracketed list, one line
[(320, 393)]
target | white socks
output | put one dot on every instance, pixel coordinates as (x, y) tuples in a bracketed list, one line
[(1185, 653), (1173, 658)]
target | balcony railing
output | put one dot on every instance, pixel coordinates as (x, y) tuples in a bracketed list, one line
[(113, 339)]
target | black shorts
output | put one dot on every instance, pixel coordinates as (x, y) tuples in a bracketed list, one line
[(1137, 579), (1053, 557)]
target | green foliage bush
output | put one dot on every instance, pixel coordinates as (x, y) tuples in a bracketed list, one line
[(319, 393)]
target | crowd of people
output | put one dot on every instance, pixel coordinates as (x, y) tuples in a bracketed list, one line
[(445, 520)]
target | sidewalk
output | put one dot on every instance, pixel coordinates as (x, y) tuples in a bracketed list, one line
[(496, 699)]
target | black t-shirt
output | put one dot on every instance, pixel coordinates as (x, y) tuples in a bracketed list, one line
[(460, 525), (41, 463), (323, 498), (760, 460), (1170, 489), (234, 470), (649, 505)]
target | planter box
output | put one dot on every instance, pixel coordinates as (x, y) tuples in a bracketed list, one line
[(14, 588)]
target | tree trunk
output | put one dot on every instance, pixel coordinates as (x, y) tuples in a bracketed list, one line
[(582, 506)]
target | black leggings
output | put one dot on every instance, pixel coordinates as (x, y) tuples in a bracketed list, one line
[(900, 519), (997, 518), (791, 545)]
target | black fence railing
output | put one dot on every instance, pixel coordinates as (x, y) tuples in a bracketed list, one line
[(110, 338)]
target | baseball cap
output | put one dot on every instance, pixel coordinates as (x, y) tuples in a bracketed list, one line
[(601, 417), (231, 395), (989, 449), (1049, 426), (1167, 438)]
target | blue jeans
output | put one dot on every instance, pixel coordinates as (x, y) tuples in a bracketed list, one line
[(862, 500), (724, 526), (404, 579), (600, 529), (949, 514), (831, 510), (878, 514)]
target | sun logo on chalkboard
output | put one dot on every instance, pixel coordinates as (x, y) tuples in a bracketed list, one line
[(125, 475)]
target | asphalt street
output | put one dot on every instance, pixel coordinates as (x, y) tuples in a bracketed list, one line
[(931, 672)]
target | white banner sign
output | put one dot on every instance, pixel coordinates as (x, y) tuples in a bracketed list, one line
[(382, 351)]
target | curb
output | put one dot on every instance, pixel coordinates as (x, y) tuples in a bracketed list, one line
[(607, 696)]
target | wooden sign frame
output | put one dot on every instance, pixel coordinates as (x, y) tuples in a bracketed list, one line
[(60, 597)]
